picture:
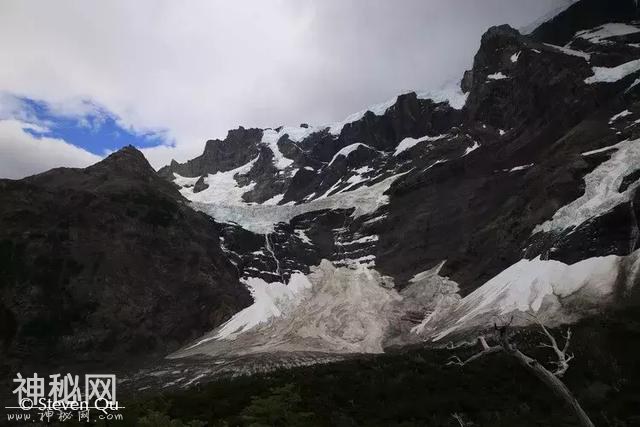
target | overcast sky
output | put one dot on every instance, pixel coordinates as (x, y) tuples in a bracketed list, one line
[(80, 78)]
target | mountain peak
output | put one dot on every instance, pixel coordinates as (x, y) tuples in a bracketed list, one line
[(126, 160)]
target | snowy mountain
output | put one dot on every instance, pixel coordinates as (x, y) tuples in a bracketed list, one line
[(423, 218), (416, 221)]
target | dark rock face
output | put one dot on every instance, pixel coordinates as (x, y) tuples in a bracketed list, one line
[(265, 175), (534, 90), (239, 147), (200, 185), (105, 263), (408, 117), (614, 233), (628, 180), (479, 216), (584, 15)]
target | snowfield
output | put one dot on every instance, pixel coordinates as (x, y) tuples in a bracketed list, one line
[(223, 188)]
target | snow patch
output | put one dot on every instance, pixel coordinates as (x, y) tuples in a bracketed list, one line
[(353, 181), (599, 150), (613, 74), (474, 147), (375, 219), (274, 200), (408, 143), (365, 239), (497, 76), (601, 189), (620, 115), (572, 52), (514, 58), (348, 150), (298, 134), (450, 93), (519, 168), (303, 236), (363, 170), (378, 110), (184, 181), (600, 34), (223, 187), (270, 138)]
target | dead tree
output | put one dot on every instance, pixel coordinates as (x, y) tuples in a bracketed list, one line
[(550, 378)]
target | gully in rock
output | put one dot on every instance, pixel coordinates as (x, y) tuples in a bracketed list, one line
[(269, 248)]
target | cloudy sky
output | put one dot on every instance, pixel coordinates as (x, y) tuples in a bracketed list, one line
[(82, 78)]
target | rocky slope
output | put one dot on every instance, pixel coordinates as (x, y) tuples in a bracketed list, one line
[(107, 263)]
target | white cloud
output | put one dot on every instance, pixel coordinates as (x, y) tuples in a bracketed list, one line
[(22, 154), (200, 68), (12, 107)]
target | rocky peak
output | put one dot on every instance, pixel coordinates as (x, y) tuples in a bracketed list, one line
[(501, 33), (238, 148), (126, 161), (516, 81), (126, 170), (409, 116)]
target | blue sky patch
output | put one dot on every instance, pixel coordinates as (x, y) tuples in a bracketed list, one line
[(95, 129)]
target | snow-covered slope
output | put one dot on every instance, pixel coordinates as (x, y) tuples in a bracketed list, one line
[(562, 6), (551, 290)]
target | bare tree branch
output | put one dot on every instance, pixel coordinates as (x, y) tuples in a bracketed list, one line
[(551, 379), (562, 364), (486, 349)]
